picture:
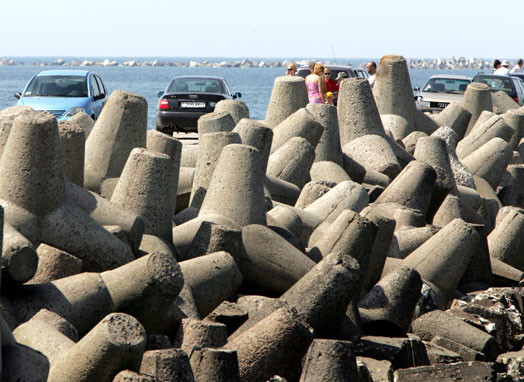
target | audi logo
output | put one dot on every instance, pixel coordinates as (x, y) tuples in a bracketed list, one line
[(193, 96)]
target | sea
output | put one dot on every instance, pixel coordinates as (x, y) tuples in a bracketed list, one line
[(255, 84)]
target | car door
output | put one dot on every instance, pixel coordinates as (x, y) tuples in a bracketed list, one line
[(103, 91)]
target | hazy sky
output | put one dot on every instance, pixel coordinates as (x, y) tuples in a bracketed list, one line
[(267, 28)]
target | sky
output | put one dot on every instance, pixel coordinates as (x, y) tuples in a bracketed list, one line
[(267, 28)]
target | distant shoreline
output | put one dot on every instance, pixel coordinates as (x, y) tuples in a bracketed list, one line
[(413, 63)]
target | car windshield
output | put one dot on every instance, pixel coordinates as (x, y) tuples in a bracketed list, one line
[(496, 83), (195, 85), (446, 85), (57, 86)]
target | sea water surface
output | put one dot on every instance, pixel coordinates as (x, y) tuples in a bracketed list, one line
[(255, 84)]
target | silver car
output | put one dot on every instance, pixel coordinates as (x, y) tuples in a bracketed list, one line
[(440, 90)]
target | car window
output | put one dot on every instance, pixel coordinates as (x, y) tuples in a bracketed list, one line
[(446, 85), (497, 83), (57, 86), (196, 85), (101, 86), (94, 87), (363, 74)]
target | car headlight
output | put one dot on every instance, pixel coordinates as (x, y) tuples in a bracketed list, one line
[(212, 104), (75, 110), (424, 103)]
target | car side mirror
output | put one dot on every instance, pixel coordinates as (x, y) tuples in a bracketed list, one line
[(100, 96), (18, 95), (160, 94), (417, 89), (237, 95)]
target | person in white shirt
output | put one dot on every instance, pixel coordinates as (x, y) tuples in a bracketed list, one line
[(371, 67), (518, 68), (503, 70)]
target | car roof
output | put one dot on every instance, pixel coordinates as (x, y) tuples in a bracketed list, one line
[(81, 73), (334, 67), (202, 77), (451, 76)]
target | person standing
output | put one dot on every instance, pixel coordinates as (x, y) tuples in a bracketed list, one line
[(291, 70), (315, 85), (503, 70), (371, 67), (496, 65), (518, 68), (331, 84)]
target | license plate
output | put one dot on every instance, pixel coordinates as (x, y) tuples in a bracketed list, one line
[(193, 104), (442, 104)]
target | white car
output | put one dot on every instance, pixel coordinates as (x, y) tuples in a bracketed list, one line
[(440, 90)]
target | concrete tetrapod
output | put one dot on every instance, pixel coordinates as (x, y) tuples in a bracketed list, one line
[(210, 148), (274, 346), (211, 279), (142, 188), (236, 190), (490, 161), (460, 173), (433, 151), (212, 365), (515, 119), (328, 171), (412, 188), (374, 152), (19, 258), (255, 134), (391, 301), (37, 206), (54, 264), (322, 296), (215, 122), (7, 117), (152, 281), (455, 117), (349, 233), (269, 261), (378, 253), (502, 102), (167, 365), (165, 144), (212, 238), (83, 120), (406, 241), (116, 343), (345, 195), (121, 127), (72, 145), (443, 324), (442, 259), (330, 360), (494, 127), (289, 94), (237, 109), (328, 147), (505, 241), (40, 336), (477, 98), (292, 161), (106, 213), (357, 111), (193, 333), (393, 92), (299, 124)]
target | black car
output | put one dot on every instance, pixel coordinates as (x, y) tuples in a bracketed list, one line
[(186, 99), (513, 86)]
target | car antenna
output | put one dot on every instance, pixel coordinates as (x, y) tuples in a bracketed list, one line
[(332, 51)]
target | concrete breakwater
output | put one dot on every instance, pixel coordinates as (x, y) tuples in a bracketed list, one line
[(363, 242), (413, 63)]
